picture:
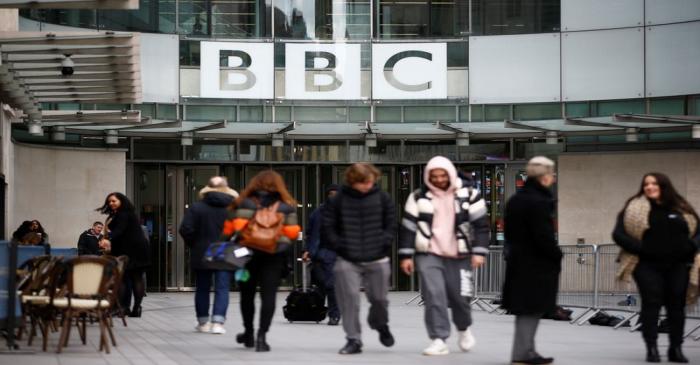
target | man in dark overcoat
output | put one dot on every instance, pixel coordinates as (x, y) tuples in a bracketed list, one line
[(533, 258)]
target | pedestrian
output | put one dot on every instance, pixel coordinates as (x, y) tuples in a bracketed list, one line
[(660, 228), (31, 233), (202, 226), (89, 241), (125, 237), (322, 259), (265, 193), (445, 228), (359, 225), (533, 259)]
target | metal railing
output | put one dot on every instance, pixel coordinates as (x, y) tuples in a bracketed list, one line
[(587, 281)]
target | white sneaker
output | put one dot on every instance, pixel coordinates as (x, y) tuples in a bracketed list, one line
[(466, 340), (437, 347), (203, 328), (218, 329)]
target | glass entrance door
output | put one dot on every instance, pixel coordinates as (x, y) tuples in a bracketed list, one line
[(183, 184)]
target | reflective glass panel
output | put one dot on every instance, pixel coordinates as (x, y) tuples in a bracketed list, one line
[(152, 16), (670, 106), (497, 17), (537, 111), (322, 19), (210, 112), (429, 113)]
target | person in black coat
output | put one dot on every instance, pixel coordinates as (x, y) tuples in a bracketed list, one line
[(359, 224), (89, 241), (322, 259), (126, 237), (660, 228), (202, 225), (533, 258)]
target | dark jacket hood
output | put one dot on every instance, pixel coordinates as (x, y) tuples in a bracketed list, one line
[(216, 199)]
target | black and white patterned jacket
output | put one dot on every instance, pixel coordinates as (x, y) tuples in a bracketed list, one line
[(471, 222)]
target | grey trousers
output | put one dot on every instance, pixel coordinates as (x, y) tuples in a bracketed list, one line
[(349, 278), (445, 282), (524, 338)]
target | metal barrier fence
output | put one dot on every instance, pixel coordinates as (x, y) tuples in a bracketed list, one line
[(587, 281)]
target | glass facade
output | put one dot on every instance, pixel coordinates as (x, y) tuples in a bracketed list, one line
[(320, 19)]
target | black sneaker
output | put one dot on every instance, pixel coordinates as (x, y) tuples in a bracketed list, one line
[(352, 347), (538, 360), (333, 321), (385, 336)]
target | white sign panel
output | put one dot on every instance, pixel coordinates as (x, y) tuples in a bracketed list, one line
[(409, 71), (322, 71), (237, 70)]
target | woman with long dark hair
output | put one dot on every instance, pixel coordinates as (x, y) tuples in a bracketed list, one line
[(126, 237), (658, 231), (267, 191)]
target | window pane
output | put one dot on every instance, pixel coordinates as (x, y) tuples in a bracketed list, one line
[(320, 114), (496, 17), (192, 17), (674, 106), (69, 17), (496, 113), (388, 114), (251, 113), (464, 113), (210, 112), (694, 106), (212, 152), (360, 114), (189, 53), (607, 108), (457, 54), (157, 149), (537, 111), (429, 113), (283, 114), (403, 19), (322, 19), (166, 111), (238, 18), (147, 110), (152, 16), (449, 18), (320, 151), (578, 110)]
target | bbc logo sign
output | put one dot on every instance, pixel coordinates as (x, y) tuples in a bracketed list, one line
[(324, 71)]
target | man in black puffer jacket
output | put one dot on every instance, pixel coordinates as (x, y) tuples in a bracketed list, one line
[(202, 226), (359, 225)]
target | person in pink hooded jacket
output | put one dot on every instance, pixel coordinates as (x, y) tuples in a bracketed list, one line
[(445, 230)]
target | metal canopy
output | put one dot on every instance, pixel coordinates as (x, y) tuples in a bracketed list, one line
[(97, 122), (105, 68)]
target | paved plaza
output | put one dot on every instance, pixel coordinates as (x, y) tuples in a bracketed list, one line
[(165, 335)]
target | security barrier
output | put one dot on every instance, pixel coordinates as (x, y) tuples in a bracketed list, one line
[(587, 281)]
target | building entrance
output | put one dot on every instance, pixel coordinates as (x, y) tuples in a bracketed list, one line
[(163, 192)]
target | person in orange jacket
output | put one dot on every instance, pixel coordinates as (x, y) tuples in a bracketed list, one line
[(264, 190)]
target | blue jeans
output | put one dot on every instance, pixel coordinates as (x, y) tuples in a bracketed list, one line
[(222, 282)]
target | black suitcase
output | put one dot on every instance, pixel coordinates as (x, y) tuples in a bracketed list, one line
[(305, 303)]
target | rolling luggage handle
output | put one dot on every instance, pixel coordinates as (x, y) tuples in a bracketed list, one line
[(304, 287)]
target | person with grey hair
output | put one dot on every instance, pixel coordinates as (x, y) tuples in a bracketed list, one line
[(533, 259), (201, 226)]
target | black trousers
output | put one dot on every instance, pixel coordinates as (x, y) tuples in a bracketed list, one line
[(662, 284), (265, 272)]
